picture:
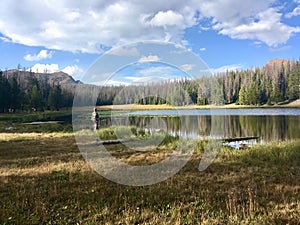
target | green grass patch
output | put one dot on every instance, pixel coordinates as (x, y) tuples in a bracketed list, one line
[(285, 153), (63, 115)]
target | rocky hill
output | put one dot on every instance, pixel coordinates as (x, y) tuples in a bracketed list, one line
[(57, 78)]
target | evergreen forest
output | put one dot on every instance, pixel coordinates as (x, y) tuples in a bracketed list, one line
[(278, 82)]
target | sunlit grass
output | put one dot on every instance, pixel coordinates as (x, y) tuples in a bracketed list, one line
[(192, 106), (45, 180), (31, 136)]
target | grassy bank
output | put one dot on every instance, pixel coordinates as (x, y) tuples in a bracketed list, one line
[(45, 180), (294, 104)]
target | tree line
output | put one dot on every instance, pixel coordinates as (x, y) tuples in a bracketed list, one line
[(275, 83), (31, 95)]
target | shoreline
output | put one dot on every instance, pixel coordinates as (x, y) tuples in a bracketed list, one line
[(294, 104)]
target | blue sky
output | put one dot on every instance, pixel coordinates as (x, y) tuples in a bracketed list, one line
[(69, 36)]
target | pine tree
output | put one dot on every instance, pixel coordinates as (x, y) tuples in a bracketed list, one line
[(242, 96), (35, 98), (55, 99), (293, 86), (4, 93), (15, 94), (275, 94), (253, 94)]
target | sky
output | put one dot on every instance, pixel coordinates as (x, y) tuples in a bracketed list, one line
[(73, 36)]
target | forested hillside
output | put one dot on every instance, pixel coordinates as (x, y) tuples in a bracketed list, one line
[(275, 83), (28, 91)]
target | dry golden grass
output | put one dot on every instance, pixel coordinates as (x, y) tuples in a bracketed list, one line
[(135, 107), (31, 136), (166, 107), (45, 180), (295, 103)]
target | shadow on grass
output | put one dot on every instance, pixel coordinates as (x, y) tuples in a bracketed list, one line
[(237, 188)]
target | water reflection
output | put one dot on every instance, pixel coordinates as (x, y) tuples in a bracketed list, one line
[(268, 128)]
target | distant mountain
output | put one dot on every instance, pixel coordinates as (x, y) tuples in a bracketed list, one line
[(278, 63), (57, 78)]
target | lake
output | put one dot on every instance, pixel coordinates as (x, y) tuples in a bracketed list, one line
[(269, 124)]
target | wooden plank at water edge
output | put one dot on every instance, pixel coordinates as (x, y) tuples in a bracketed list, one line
[(240, 139)]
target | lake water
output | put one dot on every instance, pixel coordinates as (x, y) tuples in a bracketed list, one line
[(269, 124)]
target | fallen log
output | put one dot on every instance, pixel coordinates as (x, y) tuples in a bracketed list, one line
[(240, 139), (110, 142)]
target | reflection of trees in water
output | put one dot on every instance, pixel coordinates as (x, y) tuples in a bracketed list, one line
[(271, 128), (268, 128)]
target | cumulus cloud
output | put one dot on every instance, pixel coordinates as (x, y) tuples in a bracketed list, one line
[(74, 71), (45, 68), (266, 27), (168, 18), (284, 48), (87, 26), (295, 12), (153, 74), (187, 67), (149, 58), (124, 51), (154, 71), (43, 54), (92, 26), (226, 68)]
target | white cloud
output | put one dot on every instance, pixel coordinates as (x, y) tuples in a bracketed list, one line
[(124, 51), (167, 18), (203, 28), (43, 54), (284, 48), (113, 83), (257, 43), (5, 39), (74, 71), (143, 80), (226, 68), (202, 49), (253, 20), (295, 12), (45, 68), (267, 28), (87, 26), (187, 67), (232, 12), (154, 71), (149, 58)]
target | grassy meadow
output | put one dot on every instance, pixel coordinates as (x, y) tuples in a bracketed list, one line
[(45, 180)]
